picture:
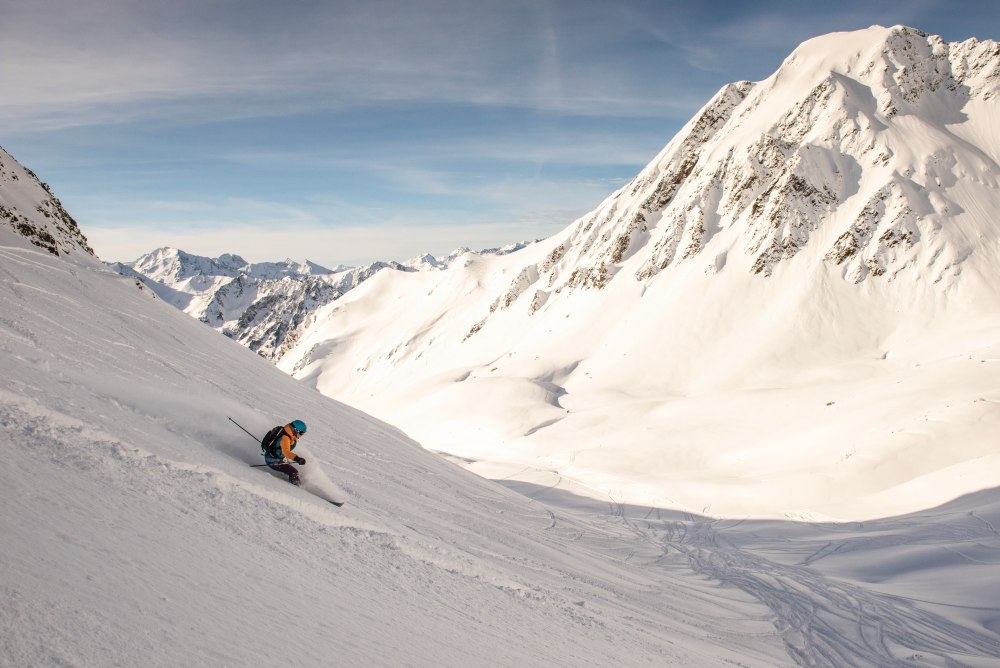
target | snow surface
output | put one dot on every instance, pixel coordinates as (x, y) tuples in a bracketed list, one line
[(136, 533)]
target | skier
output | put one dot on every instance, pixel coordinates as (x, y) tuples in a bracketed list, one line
[(278, 449)]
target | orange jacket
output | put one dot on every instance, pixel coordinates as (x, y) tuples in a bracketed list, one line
[(287, 441)]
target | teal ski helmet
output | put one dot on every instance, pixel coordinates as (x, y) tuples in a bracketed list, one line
[(299, 426)]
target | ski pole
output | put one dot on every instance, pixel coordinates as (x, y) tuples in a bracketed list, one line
[(241, 427)]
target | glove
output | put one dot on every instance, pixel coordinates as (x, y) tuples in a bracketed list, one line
[(300, 460)]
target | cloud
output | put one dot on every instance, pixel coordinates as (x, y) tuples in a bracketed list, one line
[(87, 62), (79, 62)]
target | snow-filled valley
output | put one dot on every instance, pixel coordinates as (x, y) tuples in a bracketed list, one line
[(745, 413)]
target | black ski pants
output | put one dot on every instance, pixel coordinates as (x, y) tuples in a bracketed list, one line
[(287, 469)]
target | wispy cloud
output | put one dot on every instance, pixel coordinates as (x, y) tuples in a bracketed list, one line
[(107, 61), (114, 60)]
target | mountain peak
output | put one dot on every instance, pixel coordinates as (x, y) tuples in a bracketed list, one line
[(30, 210), (848, 155)]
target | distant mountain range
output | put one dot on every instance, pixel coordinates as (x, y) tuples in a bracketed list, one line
[(264, 305)]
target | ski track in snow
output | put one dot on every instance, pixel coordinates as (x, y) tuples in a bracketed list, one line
[(826, 622), (822, 620)]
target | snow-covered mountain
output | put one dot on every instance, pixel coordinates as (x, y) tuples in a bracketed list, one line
[(134, 533), (795, 298), (30, 210), (867, 146), (263, 305)]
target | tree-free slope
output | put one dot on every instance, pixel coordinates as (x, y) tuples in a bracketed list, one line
[(136, 533)]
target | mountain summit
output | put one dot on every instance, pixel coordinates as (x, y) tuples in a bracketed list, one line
[(863, 146), (30, 211), (788, 286)]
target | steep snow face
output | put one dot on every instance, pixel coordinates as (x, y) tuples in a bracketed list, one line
[(791, 307), (30, 210)]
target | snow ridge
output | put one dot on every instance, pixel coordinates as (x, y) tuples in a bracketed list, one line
[(767, 187)]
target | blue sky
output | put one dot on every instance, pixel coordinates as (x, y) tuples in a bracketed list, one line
[(349, 131)]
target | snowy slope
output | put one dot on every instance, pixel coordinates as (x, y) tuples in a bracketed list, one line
[(791, 310), (134, 533)]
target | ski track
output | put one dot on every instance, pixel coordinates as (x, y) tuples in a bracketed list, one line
[(824, 621)]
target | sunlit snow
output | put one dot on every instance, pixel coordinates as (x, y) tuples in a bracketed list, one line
[(667, 454)]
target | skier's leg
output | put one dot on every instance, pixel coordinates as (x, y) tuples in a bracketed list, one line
[(287, 469)]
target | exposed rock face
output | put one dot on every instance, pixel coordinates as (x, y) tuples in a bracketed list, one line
[(31, 210), (855, 144)]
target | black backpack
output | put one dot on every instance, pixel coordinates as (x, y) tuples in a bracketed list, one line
[(269, 444)]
